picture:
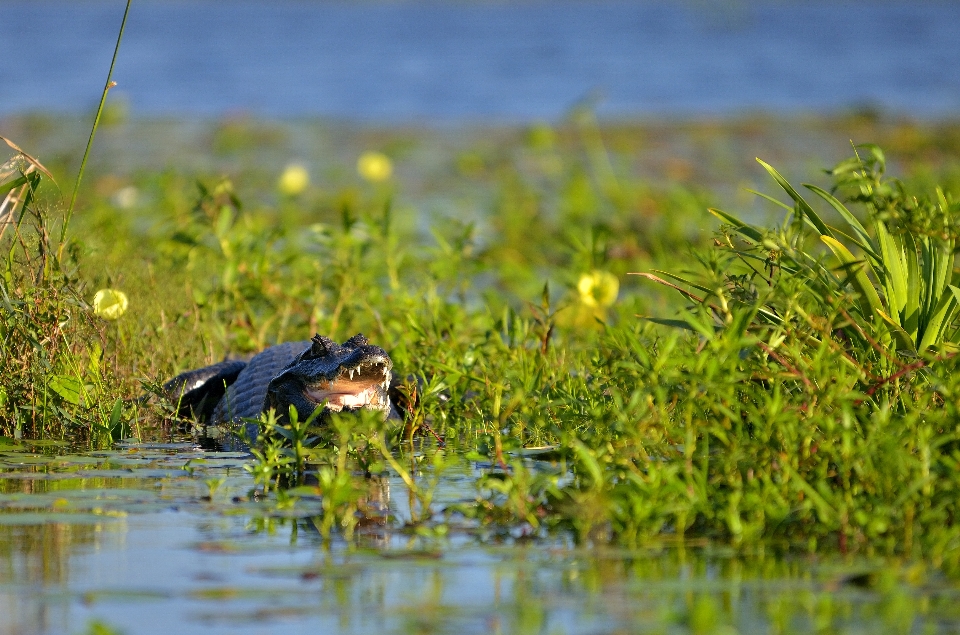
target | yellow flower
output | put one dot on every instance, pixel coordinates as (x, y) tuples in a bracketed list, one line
[(110, 303), (293, 180), (598, 288), (374, 166)]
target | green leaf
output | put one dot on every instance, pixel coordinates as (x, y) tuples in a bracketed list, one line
[(116, 413), (895, 270), (809, 215), (69, 388), (877, 153), (588, 461), (749, 231), (937, 266), (942, 317), (742, 320), (875, 259), (863, 238), (457, 372), (679, 324), (825, 511), (6, 187), (910, 318), (955, 338), (704, 327), (858, 278), (224, 221), (853, 164), (285, 432), (684, 281), (942, 201), (904, 341), (770, 315), (772, 200)]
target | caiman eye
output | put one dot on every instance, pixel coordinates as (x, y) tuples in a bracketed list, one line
[(321, 346), (357, 340)]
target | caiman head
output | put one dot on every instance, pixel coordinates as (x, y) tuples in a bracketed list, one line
[(338, 377)]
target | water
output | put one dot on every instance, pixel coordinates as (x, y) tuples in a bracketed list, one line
[(504, 61), (130, 538)]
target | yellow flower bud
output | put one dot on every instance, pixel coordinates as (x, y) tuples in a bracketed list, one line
[(110, 303), (293, 180), (598, 288), (374, 166)]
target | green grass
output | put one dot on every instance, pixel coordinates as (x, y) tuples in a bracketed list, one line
[(57, 378), (790, 412)]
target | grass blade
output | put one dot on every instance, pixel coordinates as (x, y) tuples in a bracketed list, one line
[(910, 318), (684, 281), (772, 200), (747, 230), (863, 238), (942, 316), (677, 324), (858, 278), (810, 215), (29, 159), (904, 341), (96, 123)]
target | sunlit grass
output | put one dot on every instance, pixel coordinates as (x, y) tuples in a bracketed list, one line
[(522, 330)]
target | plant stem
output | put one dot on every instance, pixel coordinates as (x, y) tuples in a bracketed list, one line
[(96, 123)]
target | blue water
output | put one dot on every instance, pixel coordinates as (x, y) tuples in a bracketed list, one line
[(503, 61)]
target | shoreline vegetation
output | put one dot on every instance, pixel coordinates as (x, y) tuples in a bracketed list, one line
[(791, 384), (709, 389)]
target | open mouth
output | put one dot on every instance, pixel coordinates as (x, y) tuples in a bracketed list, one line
[(361, 386)]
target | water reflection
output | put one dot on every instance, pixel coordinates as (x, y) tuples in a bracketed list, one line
[(135, 541)]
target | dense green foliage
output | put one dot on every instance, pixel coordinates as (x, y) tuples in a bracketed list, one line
[(808, 401), (56, 382)]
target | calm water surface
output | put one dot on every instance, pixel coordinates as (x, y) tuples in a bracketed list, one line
[(503, 61), (130, 538)]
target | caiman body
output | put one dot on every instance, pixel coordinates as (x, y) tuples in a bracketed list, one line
[(307, 375)]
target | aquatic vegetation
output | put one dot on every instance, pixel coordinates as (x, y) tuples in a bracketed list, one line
[(775, 443), (57, 382), (781, 426), (226, 559), (787, 411)]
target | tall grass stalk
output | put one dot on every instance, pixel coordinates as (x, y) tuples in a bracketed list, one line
[(93, 130), (56, 383)]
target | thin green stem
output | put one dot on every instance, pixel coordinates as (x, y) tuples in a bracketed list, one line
[(96, 123)]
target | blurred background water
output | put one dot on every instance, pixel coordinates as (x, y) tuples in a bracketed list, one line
[(484, 61)]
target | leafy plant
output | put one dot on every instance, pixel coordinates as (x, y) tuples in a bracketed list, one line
[(50, 352), (904, 271), (887, 293)]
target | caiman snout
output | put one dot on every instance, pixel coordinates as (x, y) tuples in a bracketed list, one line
[(337, 377)]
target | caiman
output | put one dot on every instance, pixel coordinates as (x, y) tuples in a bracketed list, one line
[(307, 375)]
